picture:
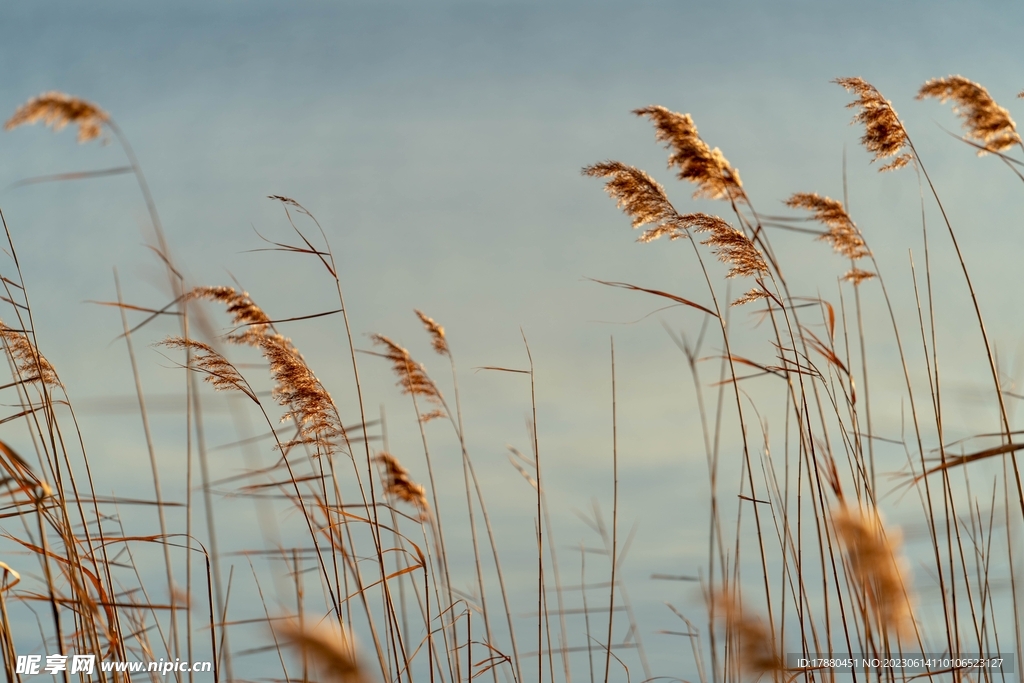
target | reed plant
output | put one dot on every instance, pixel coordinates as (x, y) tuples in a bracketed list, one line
[(801, 561)]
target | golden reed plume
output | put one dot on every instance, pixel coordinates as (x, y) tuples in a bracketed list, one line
[(640, 197), (857, 276), (643, 199), (329, 648), (296, 388), (58, 110), (412, 376), (301, 394), (753, 295), (884, 135), (219, 372), (32, 366), (876, 566), (843, 234), (707, 168), (436, 332), (984, 120), (756, 650), (245, 314), (398, 484), (733, 248)]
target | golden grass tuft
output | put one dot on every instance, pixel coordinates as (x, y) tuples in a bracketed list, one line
[(643, 199), (244, 312), (757, 651), (412, 376), (884, 135), (734, 248), (32, 366), (301, 394), (57, 110), (707, 168), (984, 120), (329, 648), (842, 233), (218, 370), (875, 566), (398, 484), (640, 197), (753, 295), (857, 275), (436, 332)]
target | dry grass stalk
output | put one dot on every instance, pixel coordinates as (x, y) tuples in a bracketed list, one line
[(244, 312), (398, 484), (412, 376), (219, 372), (984, 120), (58, 110), (734, 248), (707, 168), (4, 584), (876, 566), (301, 394), (437, 337), (842, 233), (328, 647), (884, 135), (757, 651), (32, 366)]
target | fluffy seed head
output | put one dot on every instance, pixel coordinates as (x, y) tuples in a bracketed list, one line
[(640, 197), (219, 372), (249, 317), (57, 110), (857, 276), (398, 484), (842, 233), (884, 135), (32, 366), (757, 651), (876, 566), (753, 295), (984, 120), (436, 332), (707, 168), (734, 248), (330, 648), (412, 376), (301, 394)]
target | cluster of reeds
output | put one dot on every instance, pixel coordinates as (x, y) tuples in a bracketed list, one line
[(810, 567), (828, 577)]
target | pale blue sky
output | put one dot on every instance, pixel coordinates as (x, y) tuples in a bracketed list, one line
[(440, 145)]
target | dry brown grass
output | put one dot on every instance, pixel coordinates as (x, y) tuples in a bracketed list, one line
[(412, 376), (834, 577), (984, 120), (884, 134), (877, 566), (398, 484), (706, 168), (330, 649), (219, 372), (32, 366), (57, 110), (436, 332)]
